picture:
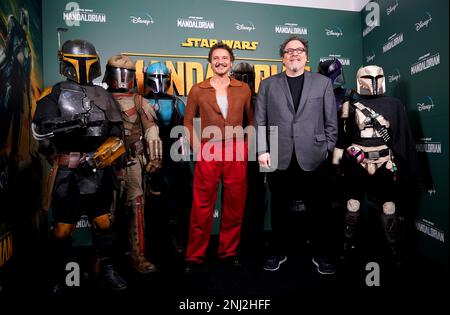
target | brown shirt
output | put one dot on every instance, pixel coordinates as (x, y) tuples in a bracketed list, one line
[(201, 102)]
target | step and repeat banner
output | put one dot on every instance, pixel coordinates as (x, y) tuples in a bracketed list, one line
[(180, 33), (407, 43), (411, 44)]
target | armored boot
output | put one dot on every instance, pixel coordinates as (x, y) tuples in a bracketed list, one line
[(390, 227), (350, 234), (108, 276), (137, 238)]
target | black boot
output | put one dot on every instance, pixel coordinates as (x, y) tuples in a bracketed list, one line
[(109, 277), (350, 233), (390, 227), (102, 241)]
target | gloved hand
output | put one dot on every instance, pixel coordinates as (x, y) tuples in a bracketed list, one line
[(155, 156), (154, 150), (153, 166)]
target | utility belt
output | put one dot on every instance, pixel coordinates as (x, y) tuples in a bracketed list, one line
[(375, 155), (71, 160), (358, 153), (104, 156), (372, 160)]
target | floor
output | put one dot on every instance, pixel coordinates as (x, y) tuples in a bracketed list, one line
[(248, 288)]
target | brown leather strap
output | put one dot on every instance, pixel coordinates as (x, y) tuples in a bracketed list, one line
[(48, 192), (71, 160)]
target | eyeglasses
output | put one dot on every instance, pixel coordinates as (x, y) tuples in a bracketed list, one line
[(290, 51)]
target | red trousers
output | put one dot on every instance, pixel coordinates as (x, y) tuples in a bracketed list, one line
[(226, 160)]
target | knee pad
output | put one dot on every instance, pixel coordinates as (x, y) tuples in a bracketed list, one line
[(353, 205), (389, 207), (63, 231), (102, 222)]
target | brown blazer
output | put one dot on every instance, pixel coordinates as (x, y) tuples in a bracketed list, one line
[(202, 102)]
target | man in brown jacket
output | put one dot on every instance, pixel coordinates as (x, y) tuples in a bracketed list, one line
[(221, 153)]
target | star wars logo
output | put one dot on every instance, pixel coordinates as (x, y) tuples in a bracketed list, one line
[(208, 43)]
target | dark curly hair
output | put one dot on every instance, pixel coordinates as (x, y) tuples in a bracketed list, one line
[(220, 45), (291, 38)]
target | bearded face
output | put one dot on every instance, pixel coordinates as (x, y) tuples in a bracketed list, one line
[(294, 58), (221, 62)]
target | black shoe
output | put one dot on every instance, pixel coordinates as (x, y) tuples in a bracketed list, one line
[(273, 263), (193, 267), (324, 266), (111, 279)]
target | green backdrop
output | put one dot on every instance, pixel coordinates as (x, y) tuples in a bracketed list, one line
[(165, 25), (411, 44)]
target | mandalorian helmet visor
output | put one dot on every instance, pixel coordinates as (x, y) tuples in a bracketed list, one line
[(371, 81), (120, 78), (157, 78), (79, 61)]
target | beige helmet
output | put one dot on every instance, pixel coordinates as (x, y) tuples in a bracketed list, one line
[(120, 73), (370, 80)]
